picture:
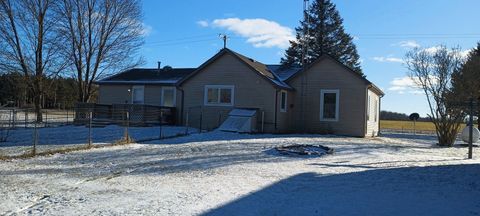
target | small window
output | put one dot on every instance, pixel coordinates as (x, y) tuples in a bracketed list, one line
[(219, 95), (168, 96), (283, 101), (375, 108), (329, 102), (138, 94)]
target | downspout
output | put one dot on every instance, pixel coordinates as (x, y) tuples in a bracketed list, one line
[(276, 108), (365, 120), (379, 111), (181, 106)]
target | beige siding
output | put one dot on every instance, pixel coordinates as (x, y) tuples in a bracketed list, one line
[(118, 94), (329, 75), (373, 114), (114, 94), (284, 118), (251, 91)]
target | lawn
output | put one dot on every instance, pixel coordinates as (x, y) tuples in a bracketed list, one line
[(220, 173)]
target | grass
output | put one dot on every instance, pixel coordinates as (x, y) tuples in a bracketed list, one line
[(408, 125)]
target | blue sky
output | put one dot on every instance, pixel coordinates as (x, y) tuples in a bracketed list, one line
[(185, 34)]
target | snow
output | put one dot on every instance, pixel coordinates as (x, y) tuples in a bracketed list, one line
[(20, 139), (220, 173), (243, 112), (283, 73)]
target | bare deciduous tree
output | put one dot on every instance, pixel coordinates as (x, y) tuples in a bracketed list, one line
[(29, 43), (432, 71), (100, 37)]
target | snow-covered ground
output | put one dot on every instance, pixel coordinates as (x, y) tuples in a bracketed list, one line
[(220, 173), (20, 140)]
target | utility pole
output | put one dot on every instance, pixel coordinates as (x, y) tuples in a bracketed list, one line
[(224, 38), (470, 130), (303, 87)]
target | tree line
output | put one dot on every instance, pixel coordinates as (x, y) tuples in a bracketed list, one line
[(396, 116), (45, 41), (61, 94)]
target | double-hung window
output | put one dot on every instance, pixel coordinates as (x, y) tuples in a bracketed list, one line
[(138, 93), (168, 96), (283, 101), (219, 95), (329, 104)]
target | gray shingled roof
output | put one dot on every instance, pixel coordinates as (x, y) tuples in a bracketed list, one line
[(264, 70), (148, 76)]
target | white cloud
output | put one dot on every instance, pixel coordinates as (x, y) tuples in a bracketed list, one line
[(388, 59), (259, 32), (402, 85), (408, 44), (203, 23), (146, 30)]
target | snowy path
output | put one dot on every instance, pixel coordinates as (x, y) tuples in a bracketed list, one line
[(232, 174)]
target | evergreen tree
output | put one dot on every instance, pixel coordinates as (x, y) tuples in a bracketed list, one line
[(324, 34), (465, 82)]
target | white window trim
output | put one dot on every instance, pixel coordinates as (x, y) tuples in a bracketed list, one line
[(286, 101), (174, 95), (337, 104), (133, 95), (205, 95)]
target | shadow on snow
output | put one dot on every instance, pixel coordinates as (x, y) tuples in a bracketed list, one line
[(435, 190)]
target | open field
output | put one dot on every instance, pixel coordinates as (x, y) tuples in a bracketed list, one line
[(407, 126), (220, 173)]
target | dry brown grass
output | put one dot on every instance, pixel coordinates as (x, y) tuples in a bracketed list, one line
[(408, 125), (66, 150)]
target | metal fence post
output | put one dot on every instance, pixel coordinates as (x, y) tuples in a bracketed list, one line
[(201, 119), (35, 138), (26, 117), (126, 136), (14, 120), (90, 130), (263, 121), (186, 124), (219, 119), (161, 122)]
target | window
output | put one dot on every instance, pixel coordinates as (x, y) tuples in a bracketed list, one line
[(219, 95), (168, 96), (329, 102), (283, 101), (375, 108), (138, 94)]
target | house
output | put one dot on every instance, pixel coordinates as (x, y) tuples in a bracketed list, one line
[(324, 97)]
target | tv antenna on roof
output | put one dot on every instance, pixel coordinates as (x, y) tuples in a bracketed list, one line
[(224, 38)]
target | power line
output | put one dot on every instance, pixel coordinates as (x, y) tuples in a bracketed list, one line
[(182, 39), (180, 42)]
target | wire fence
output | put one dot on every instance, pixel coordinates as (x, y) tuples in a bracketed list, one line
[(64, 130)]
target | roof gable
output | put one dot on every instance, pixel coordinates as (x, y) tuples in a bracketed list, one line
[(350, 70), (258, 67)]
